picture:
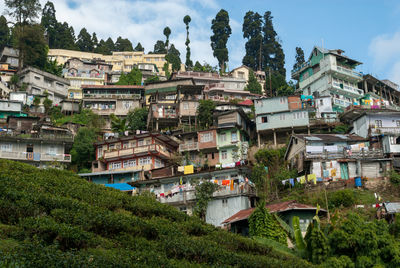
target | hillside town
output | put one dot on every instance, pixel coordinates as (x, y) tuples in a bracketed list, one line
[(211, 142)]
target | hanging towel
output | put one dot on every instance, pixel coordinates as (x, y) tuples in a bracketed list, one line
[(326, 173), (291, 181), (284, 182), (216, 181), (180, 181), (298, 179), (188, 169), (303, 179), (225, 182), (181, 168), (312, 177), (333, 172), (232, 186)]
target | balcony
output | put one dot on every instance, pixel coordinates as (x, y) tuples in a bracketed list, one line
[(165, 114), (357, 92), (112, 96), (42, 136), (36, 156), (189, 147), (138, 151), (85, 75), (384, 130), (362, 154), (347, 72)]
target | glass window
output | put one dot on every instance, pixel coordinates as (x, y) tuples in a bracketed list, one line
[(185, 106), (115, 165), (140, 142), (99, 152), (144, 161), (222, 137), (130, 163), (7, 147), (52, 150), (125, 144), (378, 123), (234, 136), (206, 137), (224, 155), (158, 163)]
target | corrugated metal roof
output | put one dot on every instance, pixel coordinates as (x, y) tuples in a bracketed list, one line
[(278, 207), (120, 186), (392, 207)]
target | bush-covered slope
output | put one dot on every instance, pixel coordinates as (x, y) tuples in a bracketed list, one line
[(53, 218)]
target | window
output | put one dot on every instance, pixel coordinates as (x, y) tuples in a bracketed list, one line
[(115, 165), (130, 163), (398, 123), (185, 105), (206, 137), (282, 100), (158, 163), (224, 202), (144, 161), (6, 147), (99, 152), (282, 117), (264, 119), (224, 155), (37, 77), (52, 150), (222, 137), (125, 144), (234, 137), (212, 156), (111, 146), (241, 74), (378, 123), (140, 142)]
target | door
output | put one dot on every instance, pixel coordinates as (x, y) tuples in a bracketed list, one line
[(29, 151), (344, 171)]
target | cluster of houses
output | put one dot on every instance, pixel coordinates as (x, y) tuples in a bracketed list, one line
[(174, 153)]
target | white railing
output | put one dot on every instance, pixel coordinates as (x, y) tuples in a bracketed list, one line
[(35, 156), (137, 150), (189, 146), (348, 88), (349, 72), (385, 130)]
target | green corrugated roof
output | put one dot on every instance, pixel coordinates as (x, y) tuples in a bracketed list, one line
[(160, 90)]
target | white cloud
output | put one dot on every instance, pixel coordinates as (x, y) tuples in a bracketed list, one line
[(385, 51)]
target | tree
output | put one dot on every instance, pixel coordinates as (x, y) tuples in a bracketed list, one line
[(31, 41), (4, 32), (173, 57), (134, 77), (272, 52), (159, 48), (252, 28), (203, 192), (253, 85), (167, 33), (36, 102), (286, 90), (198, 67), (49, 23), (205, 113), (263, 224), (139, 47), (152, 79), (82, 151), (118, 124), (259, 178), (84, 41), (188, 63), (110, 45), (95, 41), (24, 12), (52, 67), (299, 58), (47, 103), (137, 119), (221, 32), (65, 37), (123, 44)]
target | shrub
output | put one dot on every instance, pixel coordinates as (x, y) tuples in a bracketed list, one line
[(345, 198)]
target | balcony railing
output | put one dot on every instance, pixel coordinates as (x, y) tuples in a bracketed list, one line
[(165, 114), (345, 155), (35, 156), (112, 96), (189, 146), (152, 148), (84, 75), (42, 136), (384, 130), (347, 88), (349, 72)]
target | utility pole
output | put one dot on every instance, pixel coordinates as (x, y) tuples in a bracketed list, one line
[(270, 84)]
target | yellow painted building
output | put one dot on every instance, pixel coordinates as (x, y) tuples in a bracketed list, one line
[(121, 61)]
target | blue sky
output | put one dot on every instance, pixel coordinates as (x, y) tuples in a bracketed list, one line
[(368, 30)]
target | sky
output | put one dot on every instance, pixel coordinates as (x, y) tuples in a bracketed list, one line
[(367, 30)]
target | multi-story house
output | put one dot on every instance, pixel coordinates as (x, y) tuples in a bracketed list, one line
[(10, 56), (235, 192), (243, 72), (127, 158), (10, 108), (290, 114), (6, 72), (173, 103), (111, 99), (330, 73), (147, 70), (44, 146), (121, 61), (223, 145), (334, 157), (380, 124), (379, 93), (38, 83), (81, 72)]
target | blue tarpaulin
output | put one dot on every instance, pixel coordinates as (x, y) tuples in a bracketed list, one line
[(120, 186)]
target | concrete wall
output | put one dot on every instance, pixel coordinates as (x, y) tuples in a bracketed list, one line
[(272, 105), (283, 120), (219, 210), (10, 106)]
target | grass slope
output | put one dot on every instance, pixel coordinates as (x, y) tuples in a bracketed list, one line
[(52, 218)]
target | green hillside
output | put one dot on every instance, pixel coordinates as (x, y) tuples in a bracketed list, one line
[(53, 218)]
